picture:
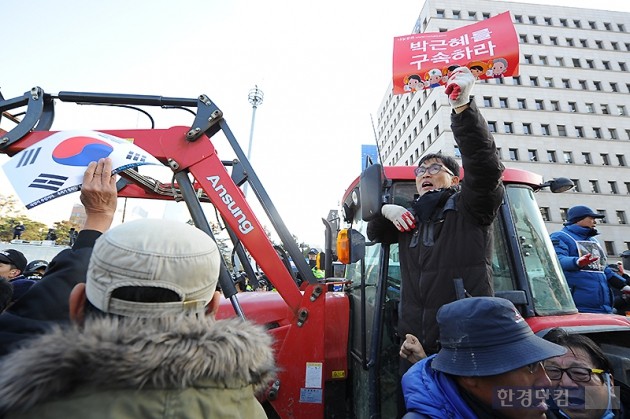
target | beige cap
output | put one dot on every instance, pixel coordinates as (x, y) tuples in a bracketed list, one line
[(158, 254)]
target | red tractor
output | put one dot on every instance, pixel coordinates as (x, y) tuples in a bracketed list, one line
[(335, 338)]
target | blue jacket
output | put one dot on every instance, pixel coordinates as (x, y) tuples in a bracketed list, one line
[(589, 285), (433, 393)]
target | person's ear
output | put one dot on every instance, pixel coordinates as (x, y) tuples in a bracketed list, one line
[(454, 180), (77, 303), (213, 306)]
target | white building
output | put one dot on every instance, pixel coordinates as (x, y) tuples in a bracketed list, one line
[(565, 115)]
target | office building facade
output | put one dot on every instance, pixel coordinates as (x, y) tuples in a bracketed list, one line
[(565, 115)]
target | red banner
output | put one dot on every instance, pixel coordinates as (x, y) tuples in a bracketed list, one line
[(424, 60)]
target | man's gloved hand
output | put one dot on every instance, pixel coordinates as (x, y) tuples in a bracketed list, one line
[(400, 216), (587, 259), (459, 86)]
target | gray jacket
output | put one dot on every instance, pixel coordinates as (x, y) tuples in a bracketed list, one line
[(121, 367)]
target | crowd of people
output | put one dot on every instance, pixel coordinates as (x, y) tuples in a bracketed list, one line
[(123, 323)]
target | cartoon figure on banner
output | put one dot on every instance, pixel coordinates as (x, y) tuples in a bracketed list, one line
[(413, 83), (447, 73), (498, 66), (477, 68), (433, 78)]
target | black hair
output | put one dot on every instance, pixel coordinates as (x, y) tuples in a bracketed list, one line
[(137, 294), (575, 341), (450, 163), (414, 77), (476, 67)]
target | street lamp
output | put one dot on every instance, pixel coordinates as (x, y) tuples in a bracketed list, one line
[(255, 98)]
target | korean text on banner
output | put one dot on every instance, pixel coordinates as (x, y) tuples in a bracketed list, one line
[(488, 48)]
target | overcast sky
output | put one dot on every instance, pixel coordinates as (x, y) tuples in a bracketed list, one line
[(323, 66)]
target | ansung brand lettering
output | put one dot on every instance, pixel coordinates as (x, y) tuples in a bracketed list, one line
[(244, 225)]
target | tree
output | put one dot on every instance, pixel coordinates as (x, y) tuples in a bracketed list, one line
[(62, 228)]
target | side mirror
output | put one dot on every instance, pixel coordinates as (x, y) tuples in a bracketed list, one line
[(558, 185), (370, 187)]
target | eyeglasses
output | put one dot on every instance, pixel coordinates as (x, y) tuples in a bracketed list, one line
[(534, 367), (577, 374), (434, 169)]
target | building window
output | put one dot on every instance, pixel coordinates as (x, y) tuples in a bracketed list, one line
[(545, 129), (606, 65), (594, 186), (528, 59), (513, 154), (543, 59), (539, 105), (604, 109), (621, 217), (487, 101), (589, 108), (562, 130), (538, 39), (577, 23), (586, 158), (503, 102), (551, 156), (548, 21), (492, 126), (507, 127), (570, 42), (486, 15), (590, 63), (607, 26), (605, 159), (563, 213), (548, 81), (614, 45), (522, 104), (533, 155), (560, 61), (621, 110), (621, 159), (583, 84), (564, 22), (613, 187), (627, 187), (576, 62), (532, 20), (598, 85), (516, 80), (456, 14), (572, 107), (436, 131), (553, 40), (518, 19), (610, 246), (613, 133), (440, 13), (621, 27), (555, 106), (579, 132), (527, 129), (576, 185), (622, 66), (584, 43), (597, 132), (566, 83), (523, 38), (599, 44), (544, 211), (472, 15), (533, 81), (613, 87), (568, 157)]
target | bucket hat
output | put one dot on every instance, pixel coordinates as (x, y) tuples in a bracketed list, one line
[(482, 336)]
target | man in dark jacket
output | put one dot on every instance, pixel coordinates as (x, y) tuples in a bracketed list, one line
[(46, 302), (584, 262), (447, 234), (12, 266)]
